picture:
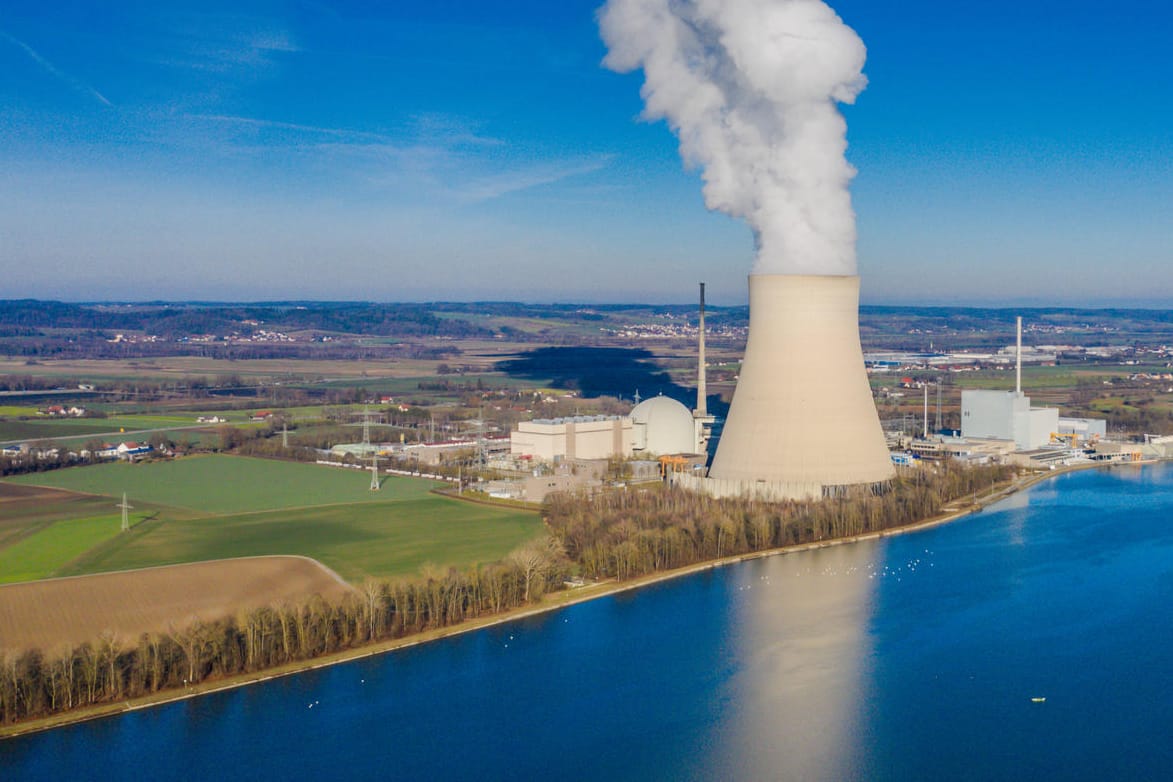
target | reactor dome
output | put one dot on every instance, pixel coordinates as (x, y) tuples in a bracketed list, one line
[(662, 425)]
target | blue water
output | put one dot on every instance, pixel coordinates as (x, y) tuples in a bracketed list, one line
[(912, 658)]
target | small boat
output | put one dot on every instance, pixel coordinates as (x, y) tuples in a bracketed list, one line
[(1038, 700)]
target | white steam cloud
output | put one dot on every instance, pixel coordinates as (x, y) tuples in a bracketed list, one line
[(751, 89)]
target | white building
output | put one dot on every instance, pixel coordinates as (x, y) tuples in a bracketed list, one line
[(1084, 428), (662, 426), (1007, 415), (578, 437)]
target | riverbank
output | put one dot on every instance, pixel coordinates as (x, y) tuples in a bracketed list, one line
[(552, 602)]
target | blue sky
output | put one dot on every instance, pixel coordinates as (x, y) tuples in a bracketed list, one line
[(1008, 152)]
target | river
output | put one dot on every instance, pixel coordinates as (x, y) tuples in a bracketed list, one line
[(916, 657)]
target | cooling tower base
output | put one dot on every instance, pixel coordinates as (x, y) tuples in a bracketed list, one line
[(802, 423), (769, 491)]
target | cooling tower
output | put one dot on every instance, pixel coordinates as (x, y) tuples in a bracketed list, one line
[(802, 422)]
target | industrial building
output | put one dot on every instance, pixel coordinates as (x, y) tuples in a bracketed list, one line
[(802, 423), (576, 437), (1084, 429), (659, 426), (1007, 415), (662, 426)]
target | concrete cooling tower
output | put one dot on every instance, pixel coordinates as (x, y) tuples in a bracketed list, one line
[(802, 423)]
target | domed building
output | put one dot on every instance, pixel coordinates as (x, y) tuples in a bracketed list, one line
[(661, 426)]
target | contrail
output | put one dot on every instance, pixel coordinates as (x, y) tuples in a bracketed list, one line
[(48, 66), (751, 88)]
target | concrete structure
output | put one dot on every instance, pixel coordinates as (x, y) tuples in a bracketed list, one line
[(1085, 429), (1158, 447), (661, 425), (976, 450), (1007, 415), (1047, 458), (579, 437), (1118, 452), (702, 421), (802, 423)]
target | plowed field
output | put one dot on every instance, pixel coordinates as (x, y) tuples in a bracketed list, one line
[(48, 614)]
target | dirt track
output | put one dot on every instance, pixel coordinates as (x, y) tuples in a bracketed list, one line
[(54, 612)]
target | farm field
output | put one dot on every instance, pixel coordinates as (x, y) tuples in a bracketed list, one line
[(26, 509), (48, 614), (212, 507), (52, 430), (44, 553), (228, 484), (358, 540)]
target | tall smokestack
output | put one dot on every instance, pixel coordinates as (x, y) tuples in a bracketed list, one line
[(1018, 360), (802, 422), (702, 409)]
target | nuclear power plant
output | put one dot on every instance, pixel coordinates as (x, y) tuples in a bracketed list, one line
[(801, 395)]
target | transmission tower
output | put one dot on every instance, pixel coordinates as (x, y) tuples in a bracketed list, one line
[(284, 435), (366, 425), (125, 515), (374, 472)]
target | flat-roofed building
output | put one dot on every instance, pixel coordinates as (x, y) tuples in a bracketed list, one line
[(577, 437), (1085, 429), (1007, 415)]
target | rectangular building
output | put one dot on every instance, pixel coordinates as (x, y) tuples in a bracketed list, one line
[(1007, 415), (579, 437)]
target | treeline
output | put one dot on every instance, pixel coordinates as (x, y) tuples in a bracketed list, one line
[(628, 534), (110, 669), (65, 346), (173, 321)]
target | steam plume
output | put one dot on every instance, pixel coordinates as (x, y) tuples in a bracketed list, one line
[(751, 88)]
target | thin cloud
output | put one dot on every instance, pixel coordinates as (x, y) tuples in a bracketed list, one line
[(294, 126), (54, 70), (221, 45), (498, 185)]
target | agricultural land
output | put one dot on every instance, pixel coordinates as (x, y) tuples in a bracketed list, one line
[(122, 606), (217, 507)]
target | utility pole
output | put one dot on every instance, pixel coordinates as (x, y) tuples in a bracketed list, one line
[(125, 515)]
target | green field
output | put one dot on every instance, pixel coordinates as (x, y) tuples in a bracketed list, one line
[(15, 411), (45, 553), (229, 484), (213, 507), (52, 429), (378, 539)]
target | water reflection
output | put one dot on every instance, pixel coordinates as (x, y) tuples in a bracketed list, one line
[(804, 646)]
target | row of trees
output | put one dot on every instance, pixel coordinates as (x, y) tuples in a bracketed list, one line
[(627, 534), (111, 669)]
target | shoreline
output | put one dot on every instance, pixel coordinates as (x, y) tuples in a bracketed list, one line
[(551, 602)]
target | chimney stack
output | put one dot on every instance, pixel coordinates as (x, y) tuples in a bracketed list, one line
[(1018, 360), (702, 408)]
